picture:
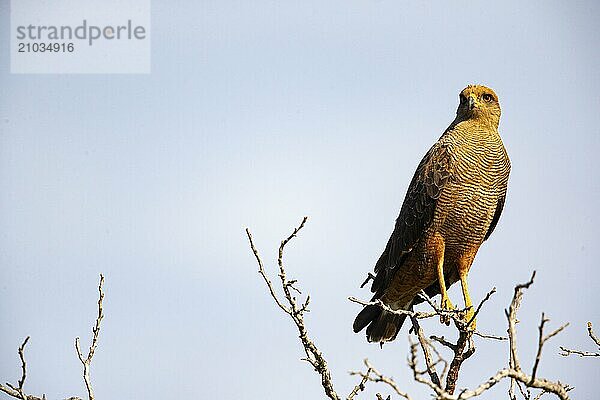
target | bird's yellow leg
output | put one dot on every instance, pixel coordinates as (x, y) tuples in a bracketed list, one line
[(468, 303), (446, 304)]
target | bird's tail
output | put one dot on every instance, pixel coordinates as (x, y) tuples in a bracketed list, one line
[(383, 326)]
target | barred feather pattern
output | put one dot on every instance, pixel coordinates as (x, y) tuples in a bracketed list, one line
[(452, 205)]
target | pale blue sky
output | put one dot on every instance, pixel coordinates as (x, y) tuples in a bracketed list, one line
[(256, 114)]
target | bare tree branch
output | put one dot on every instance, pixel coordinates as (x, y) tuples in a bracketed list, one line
[(462, 349), (486, 298), (514, 371), (539, 395), (86, 362), (296, 312), (592, 334), (361, 385), (261, 271), (23, 367), (567, 352), (18, 391), (461, 353), (385, 307), (373, 375), (489, 336), (511, 315), (541, 340), (425, 347)]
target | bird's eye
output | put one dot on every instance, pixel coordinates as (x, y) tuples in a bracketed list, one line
[(488, 97), (463, 99)]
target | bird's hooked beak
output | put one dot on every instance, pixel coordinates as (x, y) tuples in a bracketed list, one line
[(472, 102)]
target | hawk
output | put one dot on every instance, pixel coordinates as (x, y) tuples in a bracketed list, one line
[(451, 207)]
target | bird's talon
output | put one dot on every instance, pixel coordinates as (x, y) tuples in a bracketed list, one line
[(446, 306)]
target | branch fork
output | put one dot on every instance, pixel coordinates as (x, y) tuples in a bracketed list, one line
[(18, 391), (462, 349)]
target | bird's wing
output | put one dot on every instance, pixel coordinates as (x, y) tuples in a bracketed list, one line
[(416, 215), (497, 213)]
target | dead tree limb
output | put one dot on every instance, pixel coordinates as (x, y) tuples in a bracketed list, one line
[(425, 345), (87, 361), (18, 391), (296, 311), (462, 349), (373, 375), (567, 352)]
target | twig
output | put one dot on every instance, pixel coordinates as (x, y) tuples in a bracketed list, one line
[(17, 391), (539, 395), (511, 315), (541, 340), (261, 271), (592, 335), (23, 368), (462, 349), (385, 307), (455, 315), (86, 362), (373, 375), (566, 351), (313, 355), (361, 385), (549, 387), (489, 336), (514, 372), (425, 347), (440, 359), (461, 353), (442, 340), (417, 375), (486, 298)]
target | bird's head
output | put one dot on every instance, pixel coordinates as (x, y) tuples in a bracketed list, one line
[(479, 103)]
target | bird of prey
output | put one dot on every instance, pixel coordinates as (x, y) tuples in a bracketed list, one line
[(451, 207)]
